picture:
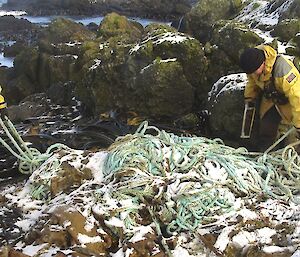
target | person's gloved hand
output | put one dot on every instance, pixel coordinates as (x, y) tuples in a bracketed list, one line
[(3, 113), (250, 103)]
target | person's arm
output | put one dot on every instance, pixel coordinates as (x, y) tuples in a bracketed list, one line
[(291, 87), (251, 90), (3, 107)]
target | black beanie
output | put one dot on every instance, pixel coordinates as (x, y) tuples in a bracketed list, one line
[(251, 59)]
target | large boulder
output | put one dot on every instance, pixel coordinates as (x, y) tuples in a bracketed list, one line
[(51, 62), (148, 77), (162, 89), (99, 82), (181, 58), (200, 20), (226, 107)]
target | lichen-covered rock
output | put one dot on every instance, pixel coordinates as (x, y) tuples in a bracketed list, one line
[(233, 37), (27, 63), (101, 85), (200, 20)]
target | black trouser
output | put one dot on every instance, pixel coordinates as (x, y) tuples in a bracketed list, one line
[(268, 128)]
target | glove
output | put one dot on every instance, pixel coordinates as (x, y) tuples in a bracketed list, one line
[(3, 113), (250, 103)]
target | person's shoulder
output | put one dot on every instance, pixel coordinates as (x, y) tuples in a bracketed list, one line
[(282, 66)]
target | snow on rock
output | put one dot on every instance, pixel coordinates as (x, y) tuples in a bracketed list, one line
[(260, 12)]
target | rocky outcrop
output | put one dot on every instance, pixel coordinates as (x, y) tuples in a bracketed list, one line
[(200, 20), (127, 67), (228, 39), (286, 29), (16, 34), (162, 65), (114, 25), (152, 75)]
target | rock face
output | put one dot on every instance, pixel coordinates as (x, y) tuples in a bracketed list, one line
[(152, 75), (228, 39), (18, 31), (145, 8), (160, 67), (200, 20), (226, 105)]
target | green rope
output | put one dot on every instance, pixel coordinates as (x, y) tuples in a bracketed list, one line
[(155, 159), (29, 158)]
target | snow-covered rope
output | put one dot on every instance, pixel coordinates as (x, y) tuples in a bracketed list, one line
[(172, 172)]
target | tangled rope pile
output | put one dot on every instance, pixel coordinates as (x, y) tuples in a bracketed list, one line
[(182, 181), (186, 181)]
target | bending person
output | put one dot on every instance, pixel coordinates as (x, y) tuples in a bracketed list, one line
[(275, 81)]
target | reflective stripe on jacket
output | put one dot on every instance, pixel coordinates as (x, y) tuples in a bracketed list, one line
[(286, 80)]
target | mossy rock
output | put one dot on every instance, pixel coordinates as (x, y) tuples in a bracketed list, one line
[(223, 33), (154, 29), (64, 30), (27, 62), (187, 50), (160, 88), (286, 29), (100, 78), (114, 24), (200, 20)]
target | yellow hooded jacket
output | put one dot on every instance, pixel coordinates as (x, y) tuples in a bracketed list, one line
[(286, 80), (2, 101)]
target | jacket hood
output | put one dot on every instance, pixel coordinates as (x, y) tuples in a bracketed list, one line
[(271, 55)]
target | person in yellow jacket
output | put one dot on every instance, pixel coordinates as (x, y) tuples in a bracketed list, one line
[(3, 106), (276, 81)]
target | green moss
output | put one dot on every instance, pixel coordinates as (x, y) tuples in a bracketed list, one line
[(114, 24), (255, 6)]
